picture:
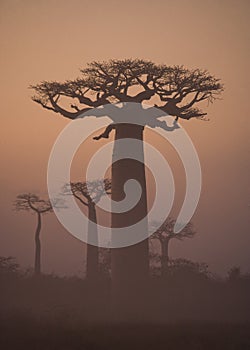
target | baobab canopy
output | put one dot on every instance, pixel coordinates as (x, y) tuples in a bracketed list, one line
[(175, 90)]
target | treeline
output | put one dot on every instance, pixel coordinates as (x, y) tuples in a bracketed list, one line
[(188, 292)]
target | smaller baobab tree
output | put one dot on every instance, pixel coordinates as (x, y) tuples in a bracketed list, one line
[(31, 202), (164, 234), (89, 194)]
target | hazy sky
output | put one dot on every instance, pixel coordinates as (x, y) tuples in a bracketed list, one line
[(51, 40)]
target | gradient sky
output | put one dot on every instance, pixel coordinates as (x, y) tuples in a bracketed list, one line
[(51, 40)]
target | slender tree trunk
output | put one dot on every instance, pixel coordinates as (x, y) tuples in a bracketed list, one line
[(164, 257), (37, 269), (130, 265), (92, 251)]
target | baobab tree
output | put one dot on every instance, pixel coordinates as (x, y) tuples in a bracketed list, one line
[(31, 202), (164, 234), (89, 193), (175, 90)]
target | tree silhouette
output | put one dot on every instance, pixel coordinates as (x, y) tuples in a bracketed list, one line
[(164, 234), (109, 82), (31, 202), (234, 273), (89, 193), (176, 91)]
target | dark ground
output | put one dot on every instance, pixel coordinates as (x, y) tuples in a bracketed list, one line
[(187, 310), (39, 335)]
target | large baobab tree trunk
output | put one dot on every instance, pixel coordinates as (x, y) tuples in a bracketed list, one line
[(130, 265), (92, 251), (37, 268)]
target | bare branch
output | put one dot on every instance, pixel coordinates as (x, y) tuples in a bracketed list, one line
[(29, 201), (106, 132), (166, 231), (178, 88), (88, 192)]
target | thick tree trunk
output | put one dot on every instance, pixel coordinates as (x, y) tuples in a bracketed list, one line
[(37, 268), (92, 251), (164, 257), (130, 265)]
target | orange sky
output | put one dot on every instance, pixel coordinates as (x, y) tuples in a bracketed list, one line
[(51, 40)]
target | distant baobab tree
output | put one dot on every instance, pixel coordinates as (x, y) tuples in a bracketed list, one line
[(164, 234), (31, 202), (176, 91), (89, 193)]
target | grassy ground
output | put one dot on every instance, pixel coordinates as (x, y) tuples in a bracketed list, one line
[(40, 336), (189, 311)]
